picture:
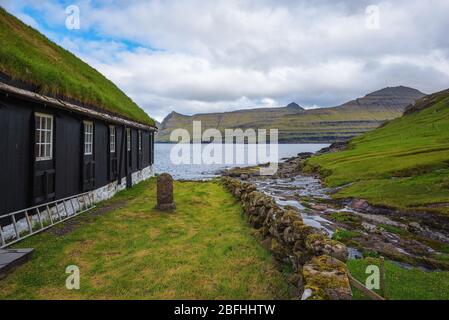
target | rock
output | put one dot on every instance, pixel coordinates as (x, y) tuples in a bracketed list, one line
[(369, 227), (360, 205), (287, 219), (326, 278), (415, 227), (319, 245), (165, 192), (296, 280), (278, 250), (307, 294), (318, 207)]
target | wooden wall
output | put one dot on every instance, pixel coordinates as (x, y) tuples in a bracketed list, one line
[(17, 159)]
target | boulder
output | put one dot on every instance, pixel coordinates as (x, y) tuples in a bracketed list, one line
[(360, 205), (415, 227), (369, 227), (278, 250), (319, 245), (326, 278), (165, 192)]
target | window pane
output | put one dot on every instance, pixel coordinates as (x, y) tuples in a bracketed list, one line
[(47, 151), (47, 137), (39, 136)]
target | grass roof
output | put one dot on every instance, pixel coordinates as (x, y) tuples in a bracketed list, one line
[(28, 56)]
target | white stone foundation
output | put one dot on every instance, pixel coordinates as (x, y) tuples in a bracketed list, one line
[(108, 191)]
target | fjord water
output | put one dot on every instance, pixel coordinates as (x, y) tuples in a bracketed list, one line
[(191, 171)]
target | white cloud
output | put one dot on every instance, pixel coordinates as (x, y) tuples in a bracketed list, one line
[(229, 54)]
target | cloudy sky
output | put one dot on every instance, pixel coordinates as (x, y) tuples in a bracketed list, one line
[(204, 56)]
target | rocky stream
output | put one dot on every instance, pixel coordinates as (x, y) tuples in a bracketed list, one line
[(366, 230)]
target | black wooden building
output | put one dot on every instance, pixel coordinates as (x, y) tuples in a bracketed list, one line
[(52, 149)]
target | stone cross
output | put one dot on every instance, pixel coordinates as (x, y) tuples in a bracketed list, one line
[(165, 200)]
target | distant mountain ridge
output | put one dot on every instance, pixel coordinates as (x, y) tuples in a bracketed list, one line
[(297, 124)]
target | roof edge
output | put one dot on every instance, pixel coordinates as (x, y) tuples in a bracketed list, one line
[(57, 103)]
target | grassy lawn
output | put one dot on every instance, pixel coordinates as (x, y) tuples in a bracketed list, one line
[(402, 284), (203, 250), (404, 164), (28, 56)]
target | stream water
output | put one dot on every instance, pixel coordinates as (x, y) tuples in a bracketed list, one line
[(287, 192), (375, 232)]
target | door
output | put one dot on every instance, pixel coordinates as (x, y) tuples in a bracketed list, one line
[(129, 159), (44, 163), (88, 156), (113, 169)]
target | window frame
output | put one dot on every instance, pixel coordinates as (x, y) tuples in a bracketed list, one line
[(42, 134), (112, 139), (88, 133)]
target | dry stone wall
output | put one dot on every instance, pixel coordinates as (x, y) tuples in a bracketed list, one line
[(318, 262)]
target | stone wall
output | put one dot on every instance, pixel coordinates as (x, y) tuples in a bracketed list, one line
[(318, 262)]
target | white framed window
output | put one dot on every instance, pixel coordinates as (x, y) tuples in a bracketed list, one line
[(128, 139), (140, 140), (88, 138), (44, 137), (112, 139)]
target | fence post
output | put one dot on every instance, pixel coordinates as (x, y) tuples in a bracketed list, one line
[(382, 277)]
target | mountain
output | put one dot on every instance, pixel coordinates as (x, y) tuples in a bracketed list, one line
[(29, 59), (404, 164), (297, 124)]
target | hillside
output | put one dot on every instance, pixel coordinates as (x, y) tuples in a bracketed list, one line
[(296, 124), (27, 57), (404, 164)]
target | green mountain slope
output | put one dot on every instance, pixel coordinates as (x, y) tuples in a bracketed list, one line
[(31, 58), (404, 164), (296, 124)]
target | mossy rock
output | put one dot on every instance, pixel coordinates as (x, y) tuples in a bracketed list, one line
[(328, 275), (320, 244), (278, 250)]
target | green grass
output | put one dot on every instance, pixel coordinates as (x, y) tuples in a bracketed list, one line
[(30, 57), (404, 164), (346, 217), (202, 250), (343, 235), (402, 284), (394, 229)]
